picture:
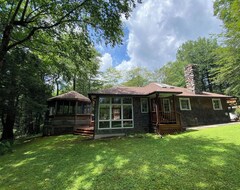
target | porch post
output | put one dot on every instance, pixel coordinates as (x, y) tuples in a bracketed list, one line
[(178, 119), (55, 111), (157, 108), (174, 103), (75, 114), (174, 107)]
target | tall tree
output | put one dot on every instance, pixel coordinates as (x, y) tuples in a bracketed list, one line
[(137, 76), (73, 63), (111, 77), (172, 73), (23, 91), (228, 66), (202, 53)]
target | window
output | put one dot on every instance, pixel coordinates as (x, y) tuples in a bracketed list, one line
[(166, 105), (217, 105), (115, 113), (83, 108), (144, 105), (185, 104)]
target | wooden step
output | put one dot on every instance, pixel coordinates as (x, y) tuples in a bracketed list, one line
[(83, 134), (169, 128), (84, 131)]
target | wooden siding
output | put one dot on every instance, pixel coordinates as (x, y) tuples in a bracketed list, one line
[(202, 112), (142, 121)]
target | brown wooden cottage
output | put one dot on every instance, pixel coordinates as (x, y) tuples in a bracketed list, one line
[(68, 113), (157, 107)]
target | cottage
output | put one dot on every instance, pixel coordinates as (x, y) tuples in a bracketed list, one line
[(157, 108)]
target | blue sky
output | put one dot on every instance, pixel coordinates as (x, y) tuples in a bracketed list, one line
[(155, 31)]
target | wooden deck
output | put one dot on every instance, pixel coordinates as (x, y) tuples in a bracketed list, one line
[(69, 124)]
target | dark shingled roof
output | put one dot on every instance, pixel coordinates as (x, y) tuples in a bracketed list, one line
[(152, 88), (72, 95)]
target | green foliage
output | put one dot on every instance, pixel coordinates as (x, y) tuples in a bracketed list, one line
[(227, 70), (110, 77), (72, 61), (229, 55), (228, 12), (23, 90), (205, 159), (137, 77), (31, 21), (5, 147), (202, 53), (237, 112), (172, 73)]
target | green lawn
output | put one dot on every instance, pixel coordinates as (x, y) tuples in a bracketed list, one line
[(206, 159)]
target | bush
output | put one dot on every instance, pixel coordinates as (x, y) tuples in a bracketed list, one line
[(237, 112), (5, 147)]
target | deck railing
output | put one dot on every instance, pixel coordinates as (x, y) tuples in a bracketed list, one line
[(166, 117)]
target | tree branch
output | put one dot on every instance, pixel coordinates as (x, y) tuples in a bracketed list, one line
[(10, 12), (16, 11), (24, 39), (43, 7), (33, 17), (34, 29), (24, 10)]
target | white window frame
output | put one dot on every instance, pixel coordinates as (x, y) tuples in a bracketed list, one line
[(189, 103), (110, 112), (169, 105), (220, 103), (142, 100)]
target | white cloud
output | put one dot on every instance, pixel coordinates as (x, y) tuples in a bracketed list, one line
[(158, 28), (125, 66), (105, 62)]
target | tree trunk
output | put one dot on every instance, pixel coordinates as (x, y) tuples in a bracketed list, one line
[(74, 83), (209, 83), (8, 124), (2, 57), (57, 84), (37, 122), (57, 88), (4, 44), (29, 123)]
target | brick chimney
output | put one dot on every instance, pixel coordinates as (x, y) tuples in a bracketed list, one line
[(192, 78)]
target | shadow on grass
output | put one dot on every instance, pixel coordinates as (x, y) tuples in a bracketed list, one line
[(174, 162)]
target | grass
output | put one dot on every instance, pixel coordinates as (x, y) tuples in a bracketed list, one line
[(206, 159)]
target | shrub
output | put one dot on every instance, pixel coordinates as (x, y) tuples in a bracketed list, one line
[(237, 112), (5, 147)]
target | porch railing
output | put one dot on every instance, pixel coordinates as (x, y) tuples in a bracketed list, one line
[(166, 117)]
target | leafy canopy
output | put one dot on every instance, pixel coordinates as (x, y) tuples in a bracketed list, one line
[(228, 66), (29, 22), (200, 52)]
